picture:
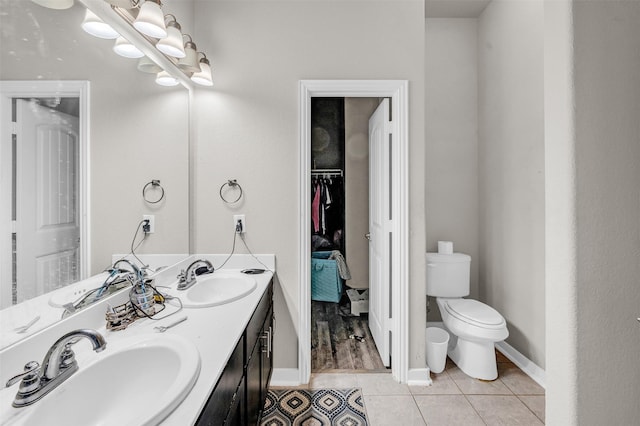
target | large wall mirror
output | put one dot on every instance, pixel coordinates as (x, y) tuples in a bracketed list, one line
[(129, 132)]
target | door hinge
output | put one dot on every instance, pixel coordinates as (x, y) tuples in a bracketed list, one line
[(14, 128), (13, 226)]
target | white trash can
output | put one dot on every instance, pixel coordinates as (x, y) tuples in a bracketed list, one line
[(437, 342)]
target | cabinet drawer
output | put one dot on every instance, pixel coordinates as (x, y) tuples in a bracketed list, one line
[(254, 329), (221, 398)]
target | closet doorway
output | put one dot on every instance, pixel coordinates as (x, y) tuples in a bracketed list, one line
[(341, 338), (397, 255)]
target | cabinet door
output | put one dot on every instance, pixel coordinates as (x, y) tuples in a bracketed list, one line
[(253, 379), (217, 407), (236, 416), (266, 366)]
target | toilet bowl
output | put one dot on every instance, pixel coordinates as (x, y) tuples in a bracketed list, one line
[(474, 326)]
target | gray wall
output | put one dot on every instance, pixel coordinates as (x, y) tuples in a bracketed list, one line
[(485, 159), (247, 127), (451, 127), (607, 135), (511, 170), (592, 87)]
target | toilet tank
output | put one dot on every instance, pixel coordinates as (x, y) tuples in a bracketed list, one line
[(448, 275)]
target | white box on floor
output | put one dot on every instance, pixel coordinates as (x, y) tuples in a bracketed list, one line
[(359, 301)]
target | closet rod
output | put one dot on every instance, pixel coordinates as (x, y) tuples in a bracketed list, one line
[(327, 172)]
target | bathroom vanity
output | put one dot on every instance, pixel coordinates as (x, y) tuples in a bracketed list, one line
[(230, 372), (240, 393)]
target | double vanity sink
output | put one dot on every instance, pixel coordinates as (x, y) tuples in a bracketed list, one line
[(143, 376), (216, 289)]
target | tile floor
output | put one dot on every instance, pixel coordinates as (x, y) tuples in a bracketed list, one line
[(454, 399)]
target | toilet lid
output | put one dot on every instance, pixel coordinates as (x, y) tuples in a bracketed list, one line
[(472, 311)]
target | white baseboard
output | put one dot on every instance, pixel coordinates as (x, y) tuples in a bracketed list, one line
[(285, 377), (419, 377), (527, 366)]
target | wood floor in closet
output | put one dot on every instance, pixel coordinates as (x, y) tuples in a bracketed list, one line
[(340, 341)]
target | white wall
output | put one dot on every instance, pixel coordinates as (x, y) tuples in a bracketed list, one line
[(246, 127), (511, 170), (138, 130), (607, 135), (451, 128)]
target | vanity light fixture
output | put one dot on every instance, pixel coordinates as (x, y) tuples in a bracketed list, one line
[(172, 44), (163, 78), (126, 4), (97, 27), (189, 63), (203, 77), (174, 51), (124, 47), (54, 4), (150, 20), (147, 65)]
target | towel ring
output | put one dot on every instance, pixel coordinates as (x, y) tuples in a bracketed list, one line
[(232, 183), (154, 183)]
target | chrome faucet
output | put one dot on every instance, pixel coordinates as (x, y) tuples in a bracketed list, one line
[(140, 273), (187, 278), (58, 365), (115, 281)]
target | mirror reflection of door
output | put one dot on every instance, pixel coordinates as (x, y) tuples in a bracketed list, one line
[(44, 196)]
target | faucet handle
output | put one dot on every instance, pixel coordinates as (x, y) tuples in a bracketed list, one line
[(30, 375), (68, 357), (181, 276)]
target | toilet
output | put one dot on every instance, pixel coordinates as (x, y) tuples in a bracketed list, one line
[(474, 327)]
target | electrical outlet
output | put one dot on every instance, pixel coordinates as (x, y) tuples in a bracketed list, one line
[(239, 224), (152, 223)]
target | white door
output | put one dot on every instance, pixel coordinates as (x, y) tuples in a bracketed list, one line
[(47, 221), (379, 227)]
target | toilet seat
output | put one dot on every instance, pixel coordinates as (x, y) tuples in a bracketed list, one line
[(474, 313)]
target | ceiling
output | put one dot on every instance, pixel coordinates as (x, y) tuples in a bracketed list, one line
[(454, 8)]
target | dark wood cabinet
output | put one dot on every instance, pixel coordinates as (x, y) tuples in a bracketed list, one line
[(238, 397), (259, 369), (237, 412)]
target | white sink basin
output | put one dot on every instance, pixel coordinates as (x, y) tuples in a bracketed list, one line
[(135, 381), (216, 289)]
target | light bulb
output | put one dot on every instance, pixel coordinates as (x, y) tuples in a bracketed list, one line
[(190, 62), (150, 20), (97, 27), (165, 79), (203, 77), (124, 47), (172, 44)]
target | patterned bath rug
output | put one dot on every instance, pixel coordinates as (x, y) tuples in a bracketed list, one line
[(320, 407)]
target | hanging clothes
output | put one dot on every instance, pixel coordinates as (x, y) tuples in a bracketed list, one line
[(327, 209), (315, 208)]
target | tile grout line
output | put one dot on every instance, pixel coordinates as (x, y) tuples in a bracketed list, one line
[(418, 407), (465, 397), (474, 409), (529, 408)]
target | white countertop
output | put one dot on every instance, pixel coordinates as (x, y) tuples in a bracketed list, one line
[(214, 330)]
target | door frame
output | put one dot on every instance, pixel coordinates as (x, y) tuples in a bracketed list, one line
[(46, 89), (398, 92)]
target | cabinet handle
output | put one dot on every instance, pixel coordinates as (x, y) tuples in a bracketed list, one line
[(267, 335)]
